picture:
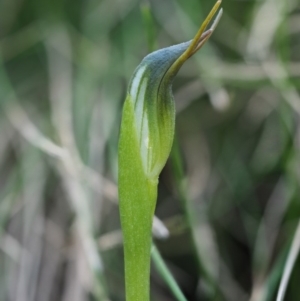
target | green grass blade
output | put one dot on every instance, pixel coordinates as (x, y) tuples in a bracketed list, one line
[(166, 275)]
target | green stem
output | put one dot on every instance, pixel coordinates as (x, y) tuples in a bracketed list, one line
[(138, 197)]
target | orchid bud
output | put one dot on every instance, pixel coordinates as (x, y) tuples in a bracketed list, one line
[(150, 94)]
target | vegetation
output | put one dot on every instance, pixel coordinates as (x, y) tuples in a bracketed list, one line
[(227, 217), (146, 138)]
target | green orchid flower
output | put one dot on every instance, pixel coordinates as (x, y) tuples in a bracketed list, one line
[(146, 138)]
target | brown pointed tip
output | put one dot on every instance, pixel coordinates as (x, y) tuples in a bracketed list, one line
[(200, 38)]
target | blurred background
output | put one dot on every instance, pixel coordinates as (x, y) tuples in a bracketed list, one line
[(228, 205)]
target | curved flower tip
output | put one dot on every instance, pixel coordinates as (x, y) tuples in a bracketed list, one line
[(151, 96), (200, 38)]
